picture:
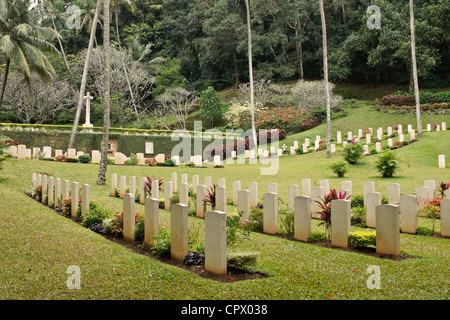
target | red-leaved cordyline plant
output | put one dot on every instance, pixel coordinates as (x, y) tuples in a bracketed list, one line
[(211, 197), (148, 184), (443, 186), (325, 205)]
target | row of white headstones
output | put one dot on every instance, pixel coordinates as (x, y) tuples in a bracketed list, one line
[(21, 152), (385, 218)]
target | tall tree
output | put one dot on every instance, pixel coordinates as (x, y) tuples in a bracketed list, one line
[(414, 67), (106, 96), (84, 78), (325, 75), (23, 42), (250, 70)]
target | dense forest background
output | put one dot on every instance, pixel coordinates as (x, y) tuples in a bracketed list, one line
[(208, 39)]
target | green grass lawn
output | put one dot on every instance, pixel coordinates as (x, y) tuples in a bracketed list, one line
[(37, 245)]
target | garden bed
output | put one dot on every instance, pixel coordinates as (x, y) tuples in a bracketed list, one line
[(233, 274)]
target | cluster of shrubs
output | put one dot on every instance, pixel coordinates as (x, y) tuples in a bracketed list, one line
[(402, 102)]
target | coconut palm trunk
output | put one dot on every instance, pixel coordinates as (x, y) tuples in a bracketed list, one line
[(250, 70), (106, 95), (414, 67), (325, 76), (122, 60), (84, 77), (5, 79)]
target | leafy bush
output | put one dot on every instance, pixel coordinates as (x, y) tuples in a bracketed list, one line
[(353, 152), (84, 158), (117, 223), (235, 231), (359, 217), (132, 161), (286, 219), (241, 259), (61, 158), (151, 161), (211, 105), (288, 119), (74, 160), (257, 216), (161, 243), (95, 215), (387, 164), (339, 168), (362, 238), (299, 151), (357, 200), (317, 237), (139, 232), (311, 95), (239, 115)]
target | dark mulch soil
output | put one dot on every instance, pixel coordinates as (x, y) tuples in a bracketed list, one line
[(233, 274)]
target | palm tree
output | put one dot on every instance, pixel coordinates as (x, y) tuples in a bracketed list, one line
[(414, 67), (55, 9), (90, 16), (325, 76), (23, 42), (250, 69), (116, 7), (142, 53), (106, 101), (84, 78)]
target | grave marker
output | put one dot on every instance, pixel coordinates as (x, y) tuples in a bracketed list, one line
[(216, 242), (57, 192), (253, 187), (151, 220), (179, 230), (84, 199), (293, 191), (340, 220), (168, 192), (302, 218), (75, 198), (408, 209), (200, 206), (244, 205), (270, 213), (445, 217), (394, 193), (388, 233), (373, 200), (221, 199), (129, 217), (236, 188)]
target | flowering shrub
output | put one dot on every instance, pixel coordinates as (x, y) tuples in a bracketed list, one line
[(288, 119), (211, 197), (247, 144), (235, 231), (61, 158), (150, 161), (148, 184), (117, 223), (325, 205), (443, 186), (395, 100), (38, 192), (240, 115)]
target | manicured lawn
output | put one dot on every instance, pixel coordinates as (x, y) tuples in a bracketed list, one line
[(37, 245)]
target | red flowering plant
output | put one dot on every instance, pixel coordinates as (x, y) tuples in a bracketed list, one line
[(325, 206), (117, 223), (443, 186), (211, 197), (148, 184), (288, 119)]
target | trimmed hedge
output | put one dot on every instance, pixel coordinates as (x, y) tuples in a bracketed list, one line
[(127, 144)]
